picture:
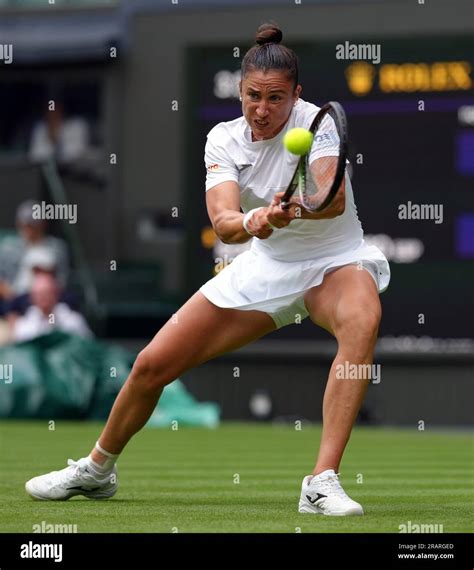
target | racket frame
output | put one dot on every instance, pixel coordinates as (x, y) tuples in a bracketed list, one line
[(298, 181)]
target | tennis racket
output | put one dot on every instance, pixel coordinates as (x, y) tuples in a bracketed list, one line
[(318, 186)]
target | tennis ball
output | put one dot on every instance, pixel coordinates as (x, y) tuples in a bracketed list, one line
[(298, 141)]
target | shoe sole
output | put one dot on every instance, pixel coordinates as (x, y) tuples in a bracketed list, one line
[(303, 507), (101, 495), (97, 495)]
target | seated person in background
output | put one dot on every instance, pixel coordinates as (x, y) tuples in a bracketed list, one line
[(64, 138), (46, 314), (17, 254), (38, 261)]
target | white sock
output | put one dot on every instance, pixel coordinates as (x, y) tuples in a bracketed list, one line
[(108, 464), (324, 473)]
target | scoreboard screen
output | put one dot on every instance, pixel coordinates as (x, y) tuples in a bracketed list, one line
[(411, 129)]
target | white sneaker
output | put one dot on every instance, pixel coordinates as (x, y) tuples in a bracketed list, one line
[(322, 494), (76, 479)]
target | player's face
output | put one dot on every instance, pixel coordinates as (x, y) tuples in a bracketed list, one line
[(267, 100)]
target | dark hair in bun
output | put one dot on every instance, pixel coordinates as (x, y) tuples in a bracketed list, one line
[(268, 54), (268, 34)]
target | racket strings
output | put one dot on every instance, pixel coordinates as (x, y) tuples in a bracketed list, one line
[(319, 180)]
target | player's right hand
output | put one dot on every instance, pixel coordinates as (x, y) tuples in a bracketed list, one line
[(259, 225)]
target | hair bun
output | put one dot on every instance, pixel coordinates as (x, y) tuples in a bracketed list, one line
[(268, 34)]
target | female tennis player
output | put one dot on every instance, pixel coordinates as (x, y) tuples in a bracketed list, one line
[(302, 263)]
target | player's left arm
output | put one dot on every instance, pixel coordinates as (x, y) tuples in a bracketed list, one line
[(320, 167)]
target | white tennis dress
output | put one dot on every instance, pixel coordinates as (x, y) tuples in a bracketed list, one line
[(274, 274)]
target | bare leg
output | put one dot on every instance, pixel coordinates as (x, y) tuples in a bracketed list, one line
[(347, 305), (198, 332)]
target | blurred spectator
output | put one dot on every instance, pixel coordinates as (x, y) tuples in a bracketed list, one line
[(55, 136), (46, 314), (41, 262), (32, 248)]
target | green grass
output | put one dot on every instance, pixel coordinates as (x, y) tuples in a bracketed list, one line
[(185, 479)]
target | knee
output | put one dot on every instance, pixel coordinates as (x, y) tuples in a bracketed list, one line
[(359, 329), (147, 374)]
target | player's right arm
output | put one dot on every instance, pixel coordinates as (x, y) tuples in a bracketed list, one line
[(223, 207), (223, 197)]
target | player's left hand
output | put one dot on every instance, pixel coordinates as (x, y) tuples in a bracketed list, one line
[(294, 209), (277, 216)]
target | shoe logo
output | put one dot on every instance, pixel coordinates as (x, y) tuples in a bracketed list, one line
[(83, 489), (318, 496)]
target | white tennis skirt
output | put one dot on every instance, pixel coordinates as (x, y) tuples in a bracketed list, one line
[(254, 281)]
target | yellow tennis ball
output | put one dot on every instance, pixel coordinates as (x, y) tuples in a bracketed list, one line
[(298, 141)]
